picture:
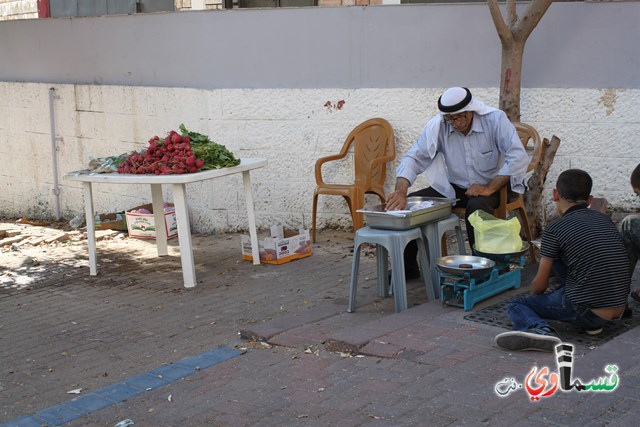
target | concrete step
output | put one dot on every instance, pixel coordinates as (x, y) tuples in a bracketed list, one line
[(363, 332), (329, 325)]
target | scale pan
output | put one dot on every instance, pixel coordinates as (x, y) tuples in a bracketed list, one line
[(505, 256), (458, 265)]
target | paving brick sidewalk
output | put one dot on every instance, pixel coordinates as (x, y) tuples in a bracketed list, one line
[(427, 366)]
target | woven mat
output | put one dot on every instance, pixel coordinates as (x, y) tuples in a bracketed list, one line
[(496, 315)]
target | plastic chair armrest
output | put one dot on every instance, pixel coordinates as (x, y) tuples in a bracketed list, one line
[(323, 160), (501, 210)]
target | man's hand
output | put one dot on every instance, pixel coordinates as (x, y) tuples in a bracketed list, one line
[(398, 199), (478, 190)]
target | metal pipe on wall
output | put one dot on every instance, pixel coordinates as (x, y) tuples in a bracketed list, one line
[(54, 148)]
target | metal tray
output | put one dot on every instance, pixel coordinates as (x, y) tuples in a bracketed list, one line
[(458, 265), (377, 217)]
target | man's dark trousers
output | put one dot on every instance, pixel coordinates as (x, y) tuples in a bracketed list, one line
[(472, 204)]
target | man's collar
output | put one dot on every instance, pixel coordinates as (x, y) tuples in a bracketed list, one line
[(575, 208)]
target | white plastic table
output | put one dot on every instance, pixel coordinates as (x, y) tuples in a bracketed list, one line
[(178, 183)]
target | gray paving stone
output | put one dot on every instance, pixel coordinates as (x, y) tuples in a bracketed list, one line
[(71, 330)]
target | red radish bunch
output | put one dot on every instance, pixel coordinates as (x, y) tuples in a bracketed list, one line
[(163, 157)]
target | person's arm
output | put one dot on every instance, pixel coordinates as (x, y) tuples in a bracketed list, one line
[(398, 199), (516, 159), (491, 187), (416, 161), (540, 282)]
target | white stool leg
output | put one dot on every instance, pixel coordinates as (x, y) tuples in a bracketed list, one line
[(424, 265), (382, 265), (430, 232), (398, 280), (462, 250), (354, 277)]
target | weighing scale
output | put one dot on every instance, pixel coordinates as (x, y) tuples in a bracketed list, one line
[(467, 280)]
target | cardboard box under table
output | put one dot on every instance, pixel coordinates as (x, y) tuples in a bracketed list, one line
[(144, 225), (283, 246), (111, 221)]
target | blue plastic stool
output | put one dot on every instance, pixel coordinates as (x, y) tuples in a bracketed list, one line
[(393, 242), (433, 232)]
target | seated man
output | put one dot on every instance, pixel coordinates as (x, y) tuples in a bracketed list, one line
[(630, 230), (585, 251), (468, 151)]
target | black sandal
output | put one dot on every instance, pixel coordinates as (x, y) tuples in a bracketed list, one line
[(635, 295)]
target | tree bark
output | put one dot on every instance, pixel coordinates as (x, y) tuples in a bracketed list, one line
[(510, 77), (513, 35), (533, 196)]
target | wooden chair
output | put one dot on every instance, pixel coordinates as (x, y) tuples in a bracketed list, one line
[(532, 143), (373, 146)]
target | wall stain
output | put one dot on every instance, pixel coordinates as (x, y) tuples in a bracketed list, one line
[(337, 106), (608, 100)]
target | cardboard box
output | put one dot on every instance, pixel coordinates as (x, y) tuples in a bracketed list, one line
[(283, 246), (111, 221), (143, 226)]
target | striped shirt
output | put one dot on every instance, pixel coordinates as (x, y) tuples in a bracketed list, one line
[(591, 247)]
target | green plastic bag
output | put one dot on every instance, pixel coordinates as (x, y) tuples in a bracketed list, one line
[(494, 235)]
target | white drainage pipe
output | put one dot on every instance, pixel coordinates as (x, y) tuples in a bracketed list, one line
[(54, 149)]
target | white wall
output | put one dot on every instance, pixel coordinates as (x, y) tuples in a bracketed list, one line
[(257, 81), (289, 127), (18, 9)]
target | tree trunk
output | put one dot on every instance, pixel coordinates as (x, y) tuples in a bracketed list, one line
[(533, 196), (513, 35), (510, 79)]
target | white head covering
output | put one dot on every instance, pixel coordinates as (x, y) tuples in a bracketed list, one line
[(459, 99)]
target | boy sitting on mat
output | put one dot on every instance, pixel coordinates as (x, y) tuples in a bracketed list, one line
[(587, 255), (630, 230)]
